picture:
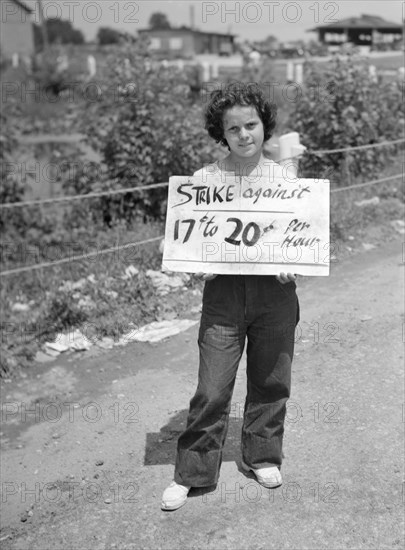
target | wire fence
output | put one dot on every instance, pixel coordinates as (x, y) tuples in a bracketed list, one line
[(356, 148), (115, 249), (95, 195), (112, 192)]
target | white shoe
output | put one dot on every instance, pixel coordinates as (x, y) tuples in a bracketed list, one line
[(268, 477), (174, 496)]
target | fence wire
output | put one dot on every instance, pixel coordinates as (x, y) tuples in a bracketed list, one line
[(159, 185)]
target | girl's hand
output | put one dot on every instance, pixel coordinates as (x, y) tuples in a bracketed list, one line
[(205, 276), (285, 278)]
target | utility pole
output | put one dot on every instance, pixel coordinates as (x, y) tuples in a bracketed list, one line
[(192, 17), (403, 28), (42, 24)]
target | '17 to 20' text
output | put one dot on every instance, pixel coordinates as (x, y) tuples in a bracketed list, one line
[(249, 233)]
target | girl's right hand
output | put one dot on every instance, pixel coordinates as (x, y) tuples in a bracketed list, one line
[(205, 276), (284, 278)]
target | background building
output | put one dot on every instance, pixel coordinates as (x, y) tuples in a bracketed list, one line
[(366, 30), (186, 42)]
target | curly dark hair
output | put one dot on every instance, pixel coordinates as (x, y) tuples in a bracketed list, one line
[(238, 93)]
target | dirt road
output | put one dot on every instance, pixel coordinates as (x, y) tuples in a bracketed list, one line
[(89, 442)]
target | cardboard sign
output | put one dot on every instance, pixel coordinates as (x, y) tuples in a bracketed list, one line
[(231, 225)]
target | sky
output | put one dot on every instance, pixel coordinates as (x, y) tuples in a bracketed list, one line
[(284, 19)]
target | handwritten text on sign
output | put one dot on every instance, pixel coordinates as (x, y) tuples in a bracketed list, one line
[(232, 226)]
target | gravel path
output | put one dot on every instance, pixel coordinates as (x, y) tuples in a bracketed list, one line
[(87, 467)]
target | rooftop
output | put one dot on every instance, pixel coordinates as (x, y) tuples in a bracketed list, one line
[(23, 6), (184, 28), (364, 21)]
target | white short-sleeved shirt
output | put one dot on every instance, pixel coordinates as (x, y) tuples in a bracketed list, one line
[(271, 170)]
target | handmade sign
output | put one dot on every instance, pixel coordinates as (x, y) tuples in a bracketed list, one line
[(231, 225)]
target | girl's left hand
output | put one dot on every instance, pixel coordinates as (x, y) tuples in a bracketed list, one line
[(284, 278), (205, 276)]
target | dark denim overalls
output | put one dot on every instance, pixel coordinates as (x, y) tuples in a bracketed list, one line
[(235, 307)]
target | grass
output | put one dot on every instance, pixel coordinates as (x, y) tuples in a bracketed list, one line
[(393, 62), (348, 219), (107, 304)]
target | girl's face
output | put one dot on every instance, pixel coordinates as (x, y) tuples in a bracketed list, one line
[(243, 130)]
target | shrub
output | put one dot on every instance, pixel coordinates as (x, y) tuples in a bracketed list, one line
[(52, 72), (18, 226), (146, 128), (341, 106), (11, 187)]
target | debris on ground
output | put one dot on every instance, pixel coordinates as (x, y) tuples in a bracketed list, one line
[(368, 246), (105, 343), (365, 318), (399, 226), (86, 302), (368, 202), (68, 286), (167, 282), (111, 294), (130, 271), (18, 307), (75, 341), (156, 331)]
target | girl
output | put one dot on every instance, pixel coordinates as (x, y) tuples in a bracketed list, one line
[(261, 309)]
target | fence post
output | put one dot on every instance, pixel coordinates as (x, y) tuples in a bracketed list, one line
[(299, 78), (206, 71), (372, 73), (91, 66), (346, 168), (214, 69), (290, 71)]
